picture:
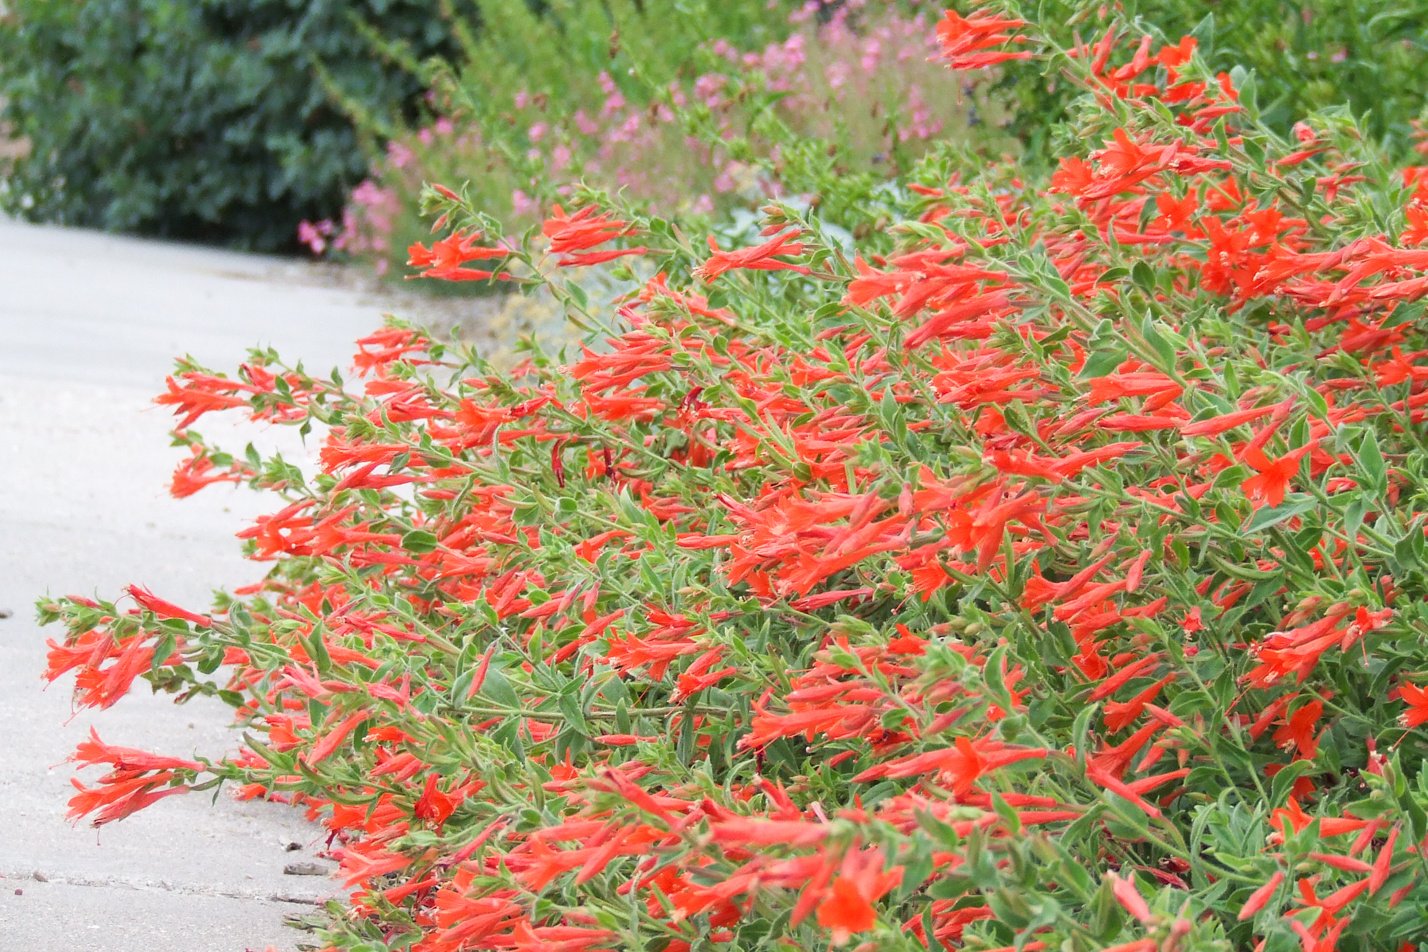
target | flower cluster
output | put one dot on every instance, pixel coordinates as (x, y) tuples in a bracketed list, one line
[(1051, 582)]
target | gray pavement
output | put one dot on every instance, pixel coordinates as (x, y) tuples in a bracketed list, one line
[(89, 325)]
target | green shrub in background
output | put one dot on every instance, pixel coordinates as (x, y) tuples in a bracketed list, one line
[(536, 87), (211, 120), (556, 47), (675, 106), (1305, 55)]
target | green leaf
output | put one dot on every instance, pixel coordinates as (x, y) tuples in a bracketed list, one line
[(498, 688), (1370, 460), (684, 748), (1413, 811), (579, 296), (1108, 351), (419, 541), (1295, 505), (1143, 277), (1279, 787)]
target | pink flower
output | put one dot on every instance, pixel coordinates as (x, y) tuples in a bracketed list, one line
[(314, 234), (523, 204), (399, 154)]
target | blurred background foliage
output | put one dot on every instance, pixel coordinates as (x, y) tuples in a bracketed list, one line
[(254, 122), (534, 93), (702, 108), (209, 120)]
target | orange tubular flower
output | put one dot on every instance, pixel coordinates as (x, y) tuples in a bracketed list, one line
[(334, 737), (1272, 476), (1260, 897), (117, 798), (150, 602), (199, 394), (445, 258), (1129, 897), (967, 41), (1417, 700), (1417, 231), (762, 257), (571, 235), (198, 471), (127, 760), (962, 764), (1214, 426), (848, 905)]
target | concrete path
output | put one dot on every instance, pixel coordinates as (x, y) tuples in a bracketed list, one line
[(89, 325)]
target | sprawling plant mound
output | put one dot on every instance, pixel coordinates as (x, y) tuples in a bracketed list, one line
[(1053, 582)]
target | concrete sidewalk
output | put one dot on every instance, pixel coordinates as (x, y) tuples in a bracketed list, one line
[(89, 325)]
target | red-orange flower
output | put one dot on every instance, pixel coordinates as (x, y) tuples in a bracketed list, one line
[(967, 42), (445, 258), (961, 765), (1260, 897), (1272, 476), (764, 257), (1417, 700), (861, 881), (165, 609), (572, 235)]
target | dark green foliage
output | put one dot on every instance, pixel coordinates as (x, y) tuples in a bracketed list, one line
[(213, 120)]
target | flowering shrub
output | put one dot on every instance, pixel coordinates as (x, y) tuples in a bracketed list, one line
[(1050, 582), (859, 81)]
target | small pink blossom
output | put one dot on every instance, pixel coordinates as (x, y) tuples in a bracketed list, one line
[(314, 234)]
